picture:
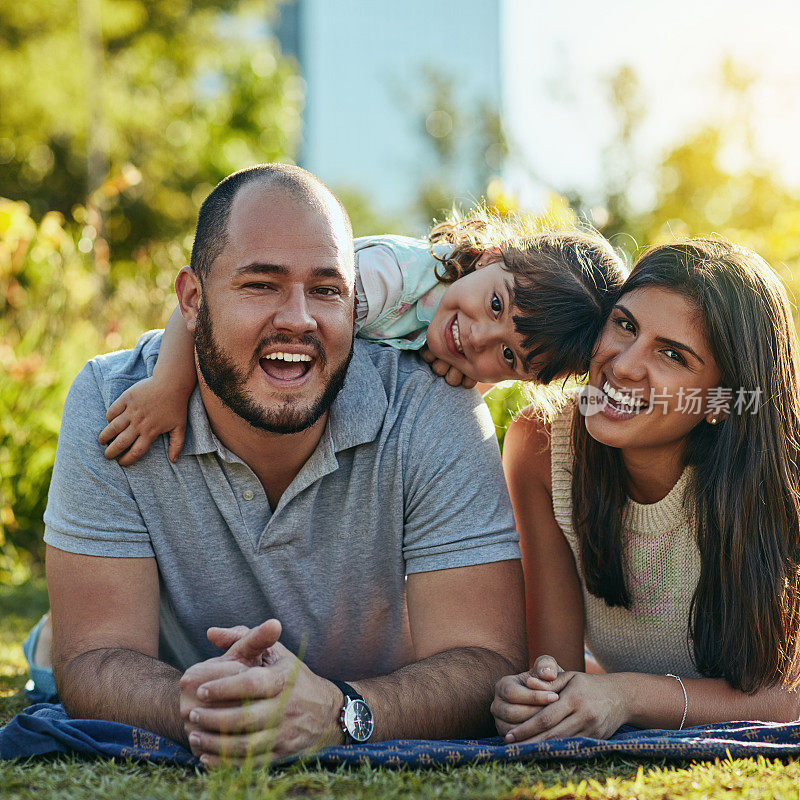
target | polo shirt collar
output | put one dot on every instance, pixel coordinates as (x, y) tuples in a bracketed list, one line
[(355, 417), (358, 412), (199, 438)]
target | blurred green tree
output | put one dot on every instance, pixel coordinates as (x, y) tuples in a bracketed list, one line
[(714, 181), (123, 114), (621, 155), (366, 219), (467, 148)]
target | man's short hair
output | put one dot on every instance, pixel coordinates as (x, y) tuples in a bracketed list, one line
[(211, 235)]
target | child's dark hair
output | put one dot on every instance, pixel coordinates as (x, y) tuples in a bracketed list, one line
[(565, 282)]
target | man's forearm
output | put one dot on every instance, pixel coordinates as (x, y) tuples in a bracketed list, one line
[(447, 695), (123, 686)]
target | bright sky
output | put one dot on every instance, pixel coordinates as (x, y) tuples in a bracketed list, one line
[(555, 106)]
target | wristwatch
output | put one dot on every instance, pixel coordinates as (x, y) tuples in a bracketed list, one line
[(356, 716)]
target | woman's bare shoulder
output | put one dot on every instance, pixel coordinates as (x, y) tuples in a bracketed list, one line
[(526, 449)]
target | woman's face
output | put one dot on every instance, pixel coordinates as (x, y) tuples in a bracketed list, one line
[(651, 373)]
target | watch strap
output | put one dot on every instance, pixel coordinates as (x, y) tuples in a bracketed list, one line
[(347, 690)]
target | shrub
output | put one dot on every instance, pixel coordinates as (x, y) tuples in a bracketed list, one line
[(56, 311)]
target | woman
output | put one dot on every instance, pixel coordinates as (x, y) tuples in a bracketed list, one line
[(662, 525)]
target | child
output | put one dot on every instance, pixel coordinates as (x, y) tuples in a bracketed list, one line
[(487, 300)]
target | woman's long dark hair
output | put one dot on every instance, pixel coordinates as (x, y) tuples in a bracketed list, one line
[(745, 492)]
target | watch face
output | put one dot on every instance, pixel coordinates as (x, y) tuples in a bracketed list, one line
[(358, 720)]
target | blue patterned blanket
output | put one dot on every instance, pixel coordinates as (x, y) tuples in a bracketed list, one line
[(46, 728)]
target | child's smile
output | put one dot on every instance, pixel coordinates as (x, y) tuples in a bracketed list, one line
[(452, 337)]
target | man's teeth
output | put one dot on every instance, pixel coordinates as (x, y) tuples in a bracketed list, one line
[(288, 357), (621, 398), (457, 336)]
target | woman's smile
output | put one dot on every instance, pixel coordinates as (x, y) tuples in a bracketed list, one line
[(620, 404), (651, 353)]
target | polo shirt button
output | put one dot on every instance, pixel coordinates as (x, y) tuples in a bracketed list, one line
[(248, 494)]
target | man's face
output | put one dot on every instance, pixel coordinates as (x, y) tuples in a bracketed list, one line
[(274, 331)]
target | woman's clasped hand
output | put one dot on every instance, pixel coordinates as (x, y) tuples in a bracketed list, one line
[(547, 702)]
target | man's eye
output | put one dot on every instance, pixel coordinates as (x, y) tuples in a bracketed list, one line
[(326, 291), (508, 355), (496, 304)]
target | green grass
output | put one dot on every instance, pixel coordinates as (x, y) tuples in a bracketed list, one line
[(74, 778)]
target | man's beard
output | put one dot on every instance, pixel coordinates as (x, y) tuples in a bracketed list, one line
[(227, 381)]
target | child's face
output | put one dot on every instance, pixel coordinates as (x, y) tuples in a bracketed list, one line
[(473, 327)]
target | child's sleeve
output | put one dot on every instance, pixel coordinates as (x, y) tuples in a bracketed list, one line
[(379, 282)]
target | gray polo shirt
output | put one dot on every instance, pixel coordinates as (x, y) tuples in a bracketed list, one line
[(406, 478)]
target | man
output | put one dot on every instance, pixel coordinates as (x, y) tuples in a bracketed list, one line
[(336, 496)]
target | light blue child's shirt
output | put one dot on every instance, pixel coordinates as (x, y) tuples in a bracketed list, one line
[(403, 322)]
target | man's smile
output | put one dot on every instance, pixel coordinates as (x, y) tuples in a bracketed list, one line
[(287, 367)]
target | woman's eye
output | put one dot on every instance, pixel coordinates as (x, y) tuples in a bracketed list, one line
[(496, 304), (625, 324), (508, 355), (674, 355)]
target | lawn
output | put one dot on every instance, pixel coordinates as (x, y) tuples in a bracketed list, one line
[(71, 778)]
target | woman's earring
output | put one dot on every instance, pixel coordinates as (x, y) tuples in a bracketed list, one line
[(713, 421)]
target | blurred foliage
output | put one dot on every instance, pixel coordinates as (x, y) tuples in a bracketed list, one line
[(466, 147), (54, 315), (698, 194), (620, 157), (134, 110), (505, 401), (713, 182), (364, 217)]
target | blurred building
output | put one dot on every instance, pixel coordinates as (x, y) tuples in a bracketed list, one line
[(398, 94)]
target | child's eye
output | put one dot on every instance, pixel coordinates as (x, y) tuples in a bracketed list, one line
[(496, 304), (508, 355)]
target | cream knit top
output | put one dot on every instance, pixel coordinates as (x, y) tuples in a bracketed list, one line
[(663, 565)]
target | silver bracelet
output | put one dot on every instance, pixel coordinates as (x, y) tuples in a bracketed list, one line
[(685, 698)]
